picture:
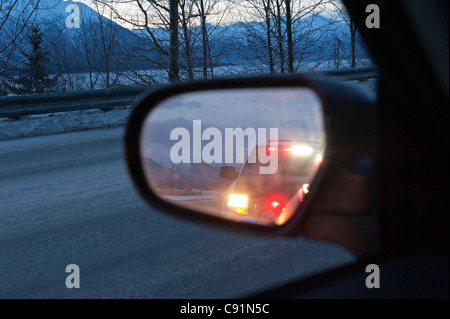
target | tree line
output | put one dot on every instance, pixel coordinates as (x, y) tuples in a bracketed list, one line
[(176, 40)]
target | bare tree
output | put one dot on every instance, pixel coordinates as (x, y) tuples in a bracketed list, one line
[(15, 16), (288, 32), (186, 17), (206, 9), (68, 63), (154, 17), (202, 12), (266, 4), (338, 48), (174, 67), (89, 59), (290, 44), (342, 15), (93, 62), (107, 42), (305, 30), (89, 56), (180, 34), (279, 14), (259, 33)]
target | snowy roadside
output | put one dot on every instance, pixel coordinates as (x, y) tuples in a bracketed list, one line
[(55, 123), (49, 124)]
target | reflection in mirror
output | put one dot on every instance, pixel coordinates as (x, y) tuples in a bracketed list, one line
[(246, 155)]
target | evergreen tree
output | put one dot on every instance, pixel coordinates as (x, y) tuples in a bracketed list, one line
[(34, 77)]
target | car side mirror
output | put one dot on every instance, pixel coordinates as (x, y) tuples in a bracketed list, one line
[(284, 135), (228, 172)]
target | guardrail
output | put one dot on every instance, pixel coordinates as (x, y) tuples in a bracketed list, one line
[(107, 99), (353, 74), (34, 104)]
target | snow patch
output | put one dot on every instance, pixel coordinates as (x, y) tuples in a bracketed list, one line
[(54, 123)]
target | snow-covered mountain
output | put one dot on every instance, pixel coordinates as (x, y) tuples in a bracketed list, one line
[(102, 44), (71, 48)]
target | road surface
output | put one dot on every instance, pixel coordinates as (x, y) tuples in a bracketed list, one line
[(67, 199)]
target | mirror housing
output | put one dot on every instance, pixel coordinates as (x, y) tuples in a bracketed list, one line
[(350, 124)]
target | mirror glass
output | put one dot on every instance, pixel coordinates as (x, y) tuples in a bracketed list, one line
[(246, 155)]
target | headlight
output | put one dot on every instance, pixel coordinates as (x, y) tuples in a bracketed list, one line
[(319, 159), (302, 150), (237, 201), (305, 188)]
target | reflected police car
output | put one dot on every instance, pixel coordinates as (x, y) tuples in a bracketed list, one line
[(255, 196)]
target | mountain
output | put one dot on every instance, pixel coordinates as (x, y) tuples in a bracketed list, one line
[(101, 45), (242, 43), (199, 171), (183, 176), (71, 48), (98, 39)]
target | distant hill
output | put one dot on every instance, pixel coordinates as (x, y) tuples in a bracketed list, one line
[(186, 177)]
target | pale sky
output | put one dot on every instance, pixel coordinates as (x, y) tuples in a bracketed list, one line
[(131, 10), (296, 113)]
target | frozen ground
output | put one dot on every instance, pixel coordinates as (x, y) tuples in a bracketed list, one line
[(48, 124)]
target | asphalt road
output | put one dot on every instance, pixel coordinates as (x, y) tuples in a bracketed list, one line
[(67, 199)]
